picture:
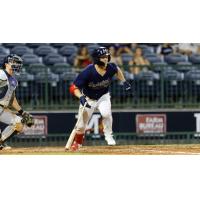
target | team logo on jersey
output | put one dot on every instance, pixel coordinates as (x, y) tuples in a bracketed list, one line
[(102, 84)]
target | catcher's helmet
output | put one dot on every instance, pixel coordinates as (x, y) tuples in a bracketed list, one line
[(98, 53), (15, 61)]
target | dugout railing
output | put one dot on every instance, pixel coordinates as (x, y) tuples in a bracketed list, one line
[(158, 86)]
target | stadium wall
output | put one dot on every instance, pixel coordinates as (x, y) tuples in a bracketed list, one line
[(123, 122)]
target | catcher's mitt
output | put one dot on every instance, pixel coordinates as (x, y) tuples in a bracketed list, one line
[(27, 119)]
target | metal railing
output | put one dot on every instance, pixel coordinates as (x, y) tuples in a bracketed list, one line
[(121, 138), (160, 87)]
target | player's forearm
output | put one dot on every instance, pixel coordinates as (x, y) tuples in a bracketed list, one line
[(77, 93), (120, 75), (16, 105)]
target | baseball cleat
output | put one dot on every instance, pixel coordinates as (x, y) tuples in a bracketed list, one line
[(75, 146), (110, 140)]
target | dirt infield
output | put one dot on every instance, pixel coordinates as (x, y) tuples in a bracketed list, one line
[(190, 149)]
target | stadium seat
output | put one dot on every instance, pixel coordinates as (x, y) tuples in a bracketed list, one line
[(60, 45), (53, 58), (4, 50), (47, 81), (36, 68), (126, 58), (193, 75), (2, 56), (25, 91), (60, 68), (172, 75), (70, 76), (146, 49), (21, 50), (44, 76), (35, 45), (68, 50), (175, 58), (71, 58), (11, 45), (147, 86), (195, 58), (159, 66), (192, 81), (24, 76), (184, 66), (92, 47), (44, 50), (173, 85), (153, 58), (31, 59)]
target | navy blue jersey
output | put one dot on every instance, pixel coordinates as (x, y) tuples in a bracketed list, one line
[(94, 85)]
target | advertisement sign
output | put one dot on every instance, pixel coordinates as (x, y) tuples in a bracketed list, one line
[(150, 123), (39, 128)]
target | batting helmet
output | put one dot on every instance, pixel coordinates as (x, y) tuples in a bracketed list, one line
[(98, 53), (15, 61)]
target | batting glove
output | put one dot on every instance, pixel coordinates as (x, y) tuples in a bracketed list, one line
[(127, 86), (83, 101)]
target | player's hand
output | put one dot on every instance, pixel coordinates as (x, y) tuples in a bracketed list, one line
[(27, 119), (83, 101), (127, 86)]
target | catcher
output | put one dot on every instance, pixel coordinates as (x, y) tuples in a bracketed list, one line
[(8, 83)]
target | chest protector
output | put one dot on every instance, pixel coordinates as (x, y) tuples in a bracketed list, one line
[(8, 84)]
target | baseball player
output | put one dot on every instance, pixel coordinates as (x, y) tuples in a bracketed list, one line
[(92, 88), (8, 83)]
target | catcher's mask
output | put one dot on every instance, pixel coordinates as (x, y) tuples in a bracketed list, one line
[(99, 53), (15, 61)]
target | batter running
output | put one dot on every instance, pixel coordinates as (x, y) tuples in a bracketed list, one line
[(92, 87)]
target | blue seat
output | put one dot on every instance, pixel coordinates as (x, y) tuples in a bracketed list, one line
[(172, 75), (193, 75), (2, 56), (92, 47), (44, 50), (21, 50), (53, 58), (71, 58), (35, 45), (60, 68), (36, 68), (25, 91), (4, 50), (195, 58), (126, 58), (175, 58), (159, 66), (184, 66), (68, 76), (153, 58), (192, 81), (47, 81), (31, 59), (173, 85), (147, 86), (68, 50), (60, 45), (11, 45), (146, 49)]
